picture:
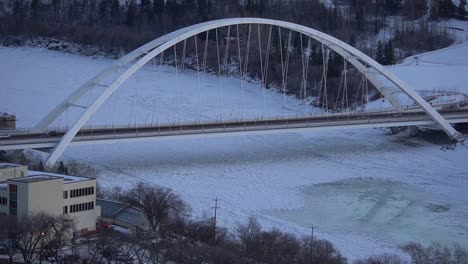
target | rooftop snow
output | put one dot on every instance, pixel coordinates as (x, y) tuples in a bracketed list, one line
[(66, 178), (9, 165)]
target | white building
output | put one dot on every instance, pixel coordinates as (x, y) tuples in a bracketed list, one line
[(71, 196)]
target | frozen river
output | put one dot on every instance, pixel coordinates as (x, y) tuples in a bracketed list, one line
[(364, 190)]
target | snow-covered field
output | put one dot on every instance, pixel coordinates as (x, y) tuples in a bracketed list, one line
[(365, 190)]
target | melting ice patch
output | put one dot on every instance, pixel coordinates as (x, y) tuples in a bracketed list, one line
[(395, 211)]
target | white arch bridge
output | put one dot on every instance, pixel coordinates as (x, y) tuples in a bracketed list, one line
[(109, 80)]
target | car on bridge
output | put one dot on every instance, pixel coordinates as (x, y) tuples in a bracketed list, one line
[(4, 136)]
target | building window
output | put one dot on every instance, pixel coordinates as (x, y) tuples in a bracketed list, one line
[(65, 210), (65, 194), (81, 192), (13, 194), (13, 188), (3, 200), (81, 207)]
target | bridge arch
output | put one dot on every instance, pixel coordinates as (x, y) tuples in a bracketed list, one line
[(152, 49)]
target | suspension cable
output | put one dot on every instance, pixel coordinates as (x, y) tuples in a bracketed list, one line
[(357, 93), (177, 84), (226, 54), (261, 68), (282, 69), (241, 75), (346, 86), (302, 92), (247, 52), (156, 90), (219, 74), (226, 51), (136, 97), (184, 47), (286, 68), (325, 57), (267, 56), (306, 72), (339, 91), (198, 78), (205, 54)]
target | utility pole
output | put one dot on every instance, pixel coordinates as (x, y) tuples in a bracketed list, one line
[(214, 218), (312, 235)]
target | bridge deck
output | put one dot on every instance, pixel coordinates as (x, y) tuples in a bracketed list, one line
[(22, 140)]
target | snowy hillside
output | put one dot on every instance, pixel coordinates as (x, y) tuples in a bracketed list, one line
[(365, 190)]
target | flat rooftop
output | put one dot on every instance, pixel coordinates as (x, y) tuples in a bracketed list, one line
[(35, 178), (48, 176), (9, 165), (42, 176), (66, 178)]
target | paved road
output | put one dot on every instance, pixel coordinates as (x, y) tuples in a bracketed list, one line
[(25, 139)]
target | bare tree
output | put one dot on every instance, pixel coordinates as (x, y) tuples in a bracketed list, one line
[(248, 235), (7, 237), (160, 205), (382, 259), (267, 246), (319, 251), (436, 253), (58, 236), (416, 252), (80, 169), (33, 233)]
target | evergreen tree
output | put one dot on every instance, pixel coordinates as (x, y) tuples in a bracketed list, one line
[(446, 9), (462, 9), (115, 10), (352, 40), (392, 6), (61, 168), (40, 167), (389, 53), (18, 7), (131, 13), (379, 56), (414, 9), (204, 8), (145, 8), (360, 19), (158, 7), (103, 9), (35, 5)]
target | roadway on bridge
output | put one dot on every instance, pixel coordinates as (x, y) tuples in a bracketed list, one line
[(24, 139)]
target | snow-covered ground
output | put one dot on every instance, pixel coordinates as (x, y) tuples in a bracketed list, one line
[(364, 190)]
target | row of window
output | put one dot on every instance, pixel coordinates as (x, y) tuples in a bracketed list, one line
[(74, 208), (13, 188), (79, 192), (13, 195), (3, 200)]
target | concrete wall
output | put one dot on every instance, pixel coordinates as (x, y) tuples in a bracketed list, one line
[(84, 219), (46, 196), (7, 122), (13, 172)]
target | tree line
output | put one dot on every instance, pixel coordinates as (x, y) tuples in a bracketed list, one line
[(117, 27), (177, 238)]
